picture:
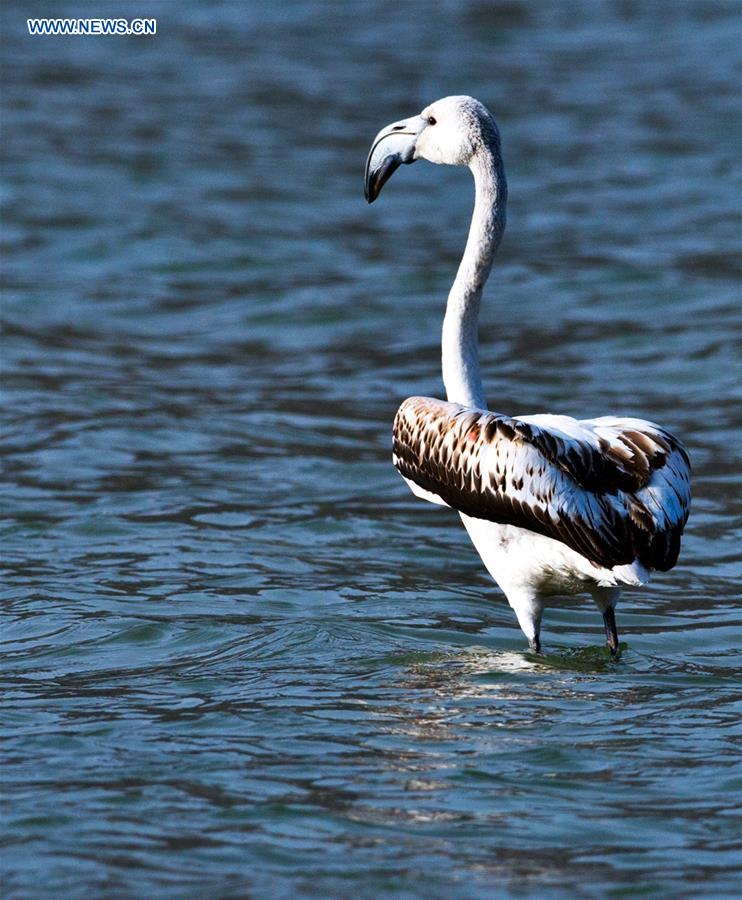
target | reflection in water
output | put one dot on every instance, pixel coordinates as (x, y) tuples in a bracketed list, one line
[(239, 657)]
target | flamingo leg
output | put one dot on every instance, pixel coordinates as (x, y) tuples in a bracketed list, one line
[(611, 634)]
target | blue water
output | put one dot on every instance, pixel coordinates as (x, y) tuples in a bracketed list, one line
[(239, 657)]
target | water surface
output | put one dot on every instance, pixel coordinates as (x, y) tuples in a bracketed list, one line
[(240, 658)]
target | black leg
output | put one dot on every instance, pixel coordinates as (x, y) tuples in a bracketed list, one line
[(535, 644), (611, 635)]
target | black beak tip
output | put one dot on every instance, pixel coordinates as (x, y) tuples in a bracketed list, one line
[(376, 179), (370, 187)]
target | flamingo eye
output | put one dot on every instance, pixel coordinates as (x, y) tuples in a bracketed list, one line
[(431, 120)]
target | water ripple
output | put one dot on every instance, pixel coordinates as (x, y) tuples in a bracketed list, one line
[(238, 656)]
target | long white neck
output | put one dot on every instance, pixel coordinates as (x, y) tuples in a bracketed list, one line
[(460, 343)]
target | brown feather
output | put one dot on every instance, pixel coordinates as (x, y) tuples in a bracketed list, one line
[(462, 456)]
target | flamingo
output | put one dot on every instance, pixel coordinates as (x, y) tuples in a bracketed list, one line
[(555, 506)]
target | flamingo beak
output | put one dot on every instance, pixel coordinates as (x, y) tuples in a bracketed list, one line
[(393, 146)]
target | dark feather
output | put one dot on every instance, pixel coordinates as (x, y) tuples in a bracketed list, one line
[(614, 491)]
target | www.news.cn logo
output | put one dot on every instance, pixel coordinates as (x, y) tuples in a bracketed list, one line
[(91, 26)]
